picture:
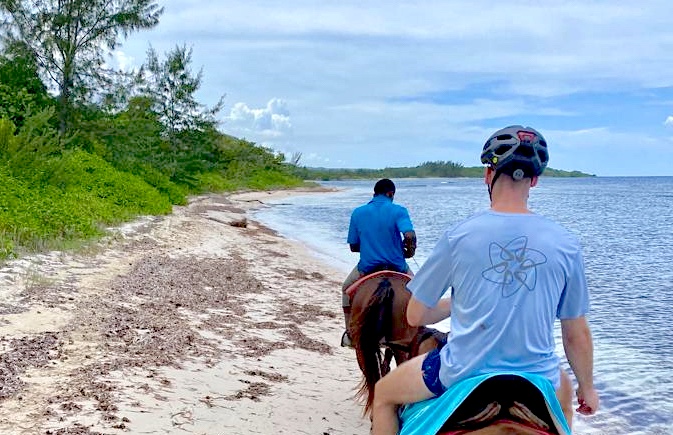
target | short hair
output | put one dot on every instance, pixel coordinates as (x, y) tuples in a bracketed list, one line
[(384, 186)]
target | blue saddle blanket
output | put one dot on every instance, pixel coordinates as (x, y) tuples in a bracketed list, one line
[(428, 417)]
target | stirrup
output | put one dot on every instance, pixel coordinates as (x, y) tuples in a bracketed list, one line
[(346, 340)]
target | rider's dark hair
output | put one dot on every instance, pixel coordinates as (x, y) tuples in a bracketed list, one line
[(384, 186)]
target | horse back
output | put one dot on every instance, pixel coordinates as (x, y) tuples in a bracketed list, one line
[(362, 290)]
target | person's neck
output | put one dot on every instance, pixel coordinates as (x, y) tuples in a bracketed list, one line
[(510, 201), (509, 208)]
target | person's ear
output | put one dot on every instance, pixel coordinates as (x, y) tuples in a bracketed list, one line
[(533, 181), (488, 175)]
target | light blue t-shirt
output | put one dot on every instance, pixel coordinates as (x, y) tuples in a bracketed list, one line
[(377, 227), (511, 276)]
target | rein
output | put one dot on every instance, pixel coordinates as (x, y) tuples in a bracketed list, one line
[(424, 333)]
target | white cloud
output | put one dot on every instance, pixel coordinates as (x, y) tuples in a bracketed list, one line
[(669, 121), (124, 62), (270, 121)]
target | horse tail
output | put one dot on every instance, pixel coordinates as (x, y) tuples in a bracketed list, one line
[(369, 328)]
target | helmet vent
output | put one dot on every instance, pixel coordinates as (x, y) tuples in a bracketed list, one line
[(525, 151), (502, 149)]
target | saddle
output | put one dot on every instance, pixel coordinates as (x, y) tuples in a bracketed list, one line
[(491, 404), (504, 399)]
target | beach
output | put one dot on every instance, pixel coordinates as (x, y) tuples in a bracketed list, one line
[(199, 322)]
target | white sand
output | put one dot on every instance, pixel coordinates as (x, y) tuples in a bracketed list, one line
[(287, 389)]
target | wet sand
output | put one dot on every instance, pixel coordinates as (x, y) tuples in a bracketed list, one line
[(200, 322)]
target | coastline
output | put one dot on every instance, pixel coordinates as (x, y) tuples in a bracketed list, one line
[(203, 321)]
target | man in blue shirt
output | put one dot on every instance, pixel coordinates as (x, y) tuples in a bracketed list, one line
[(384, 236), (510, 274)]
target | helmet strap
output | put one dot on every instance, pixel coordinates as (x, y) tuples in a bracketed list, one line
[(490, 186)]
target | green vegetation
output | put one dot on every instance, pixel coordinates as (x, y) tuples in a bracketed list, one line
[(426, 170), (109, 146)]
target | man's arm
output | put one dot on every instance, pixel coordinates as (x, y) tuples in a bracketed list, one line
[(409, 244), (418, 314), (579, 350), (353, 238)]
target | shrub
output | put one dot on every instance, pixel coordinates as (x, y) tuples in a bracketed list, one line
[(115, 196)]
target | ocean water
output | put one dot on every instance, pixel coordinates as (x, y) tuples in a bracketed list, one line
[(625, 226)]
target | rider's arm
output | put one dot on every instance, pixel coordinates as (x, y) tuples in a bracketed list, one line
[(579, 350), (353, 238), (418, 314), (409, 244)]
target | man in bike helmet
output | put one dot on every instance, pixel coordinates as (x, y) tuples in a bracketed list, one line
[(511, 274)]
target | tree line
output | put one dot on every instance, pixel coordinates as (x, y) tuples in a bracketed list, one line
[(437, 169)]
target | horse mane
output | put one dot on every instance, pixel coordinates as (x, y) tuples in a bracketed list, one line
[(374, 321)]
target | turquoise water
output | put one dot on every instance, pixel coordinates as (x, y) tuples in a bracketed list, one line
[(625, 226)]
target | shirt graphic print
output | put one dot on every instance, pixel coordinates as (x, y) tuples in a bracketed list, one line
[(513, 266)]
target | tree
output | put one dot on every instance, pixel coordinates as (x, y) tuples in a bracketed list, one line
[(172, 85), (21, 90), (295, 158), (69, 38)]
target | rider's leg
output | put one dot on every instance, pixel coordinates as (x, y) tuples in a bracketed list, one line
[(345, 299), (407, 383), (564, 394)]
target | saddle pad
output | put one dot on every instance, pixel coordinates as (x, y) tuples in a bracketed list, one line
[(350, 291), (428, 417)]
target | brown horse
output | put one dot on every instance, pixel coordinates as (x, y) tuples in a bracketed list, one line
[(378, 320)]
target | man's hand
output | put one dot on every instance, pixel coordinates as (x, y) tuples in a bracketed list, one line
[(409, 244), (588, 400)]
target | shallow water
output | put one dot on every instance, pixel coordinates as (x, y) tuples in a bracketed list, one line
[(625, 227)]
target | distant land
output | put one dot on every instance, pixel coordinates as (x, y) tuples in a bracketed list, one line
[(438, 169)]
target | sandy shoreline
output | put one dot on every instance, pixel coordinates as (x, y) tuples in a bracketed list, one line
[(189, 323)]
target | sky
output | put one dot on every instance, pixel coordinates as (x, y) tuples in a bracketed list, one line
[(374, 84)]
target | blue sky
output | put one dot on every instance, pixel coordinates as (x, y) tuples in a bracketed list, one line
[(370, 84)]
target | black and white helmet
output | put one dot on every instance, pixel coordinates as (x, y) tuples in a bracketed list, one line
[(518, 151)]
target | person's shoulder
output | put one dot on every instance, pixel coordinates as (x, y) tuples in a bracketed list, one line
[(549, 222), (399, 207), (561, 232), (362, 207), (359, 210), (483, 214)]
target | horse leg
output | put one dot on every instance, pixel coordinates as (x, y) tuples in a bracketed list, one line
[(385, 363)]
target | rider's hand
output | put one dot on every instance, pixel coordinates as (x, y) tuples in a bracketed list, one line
[(409, 244), (588, 400)]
